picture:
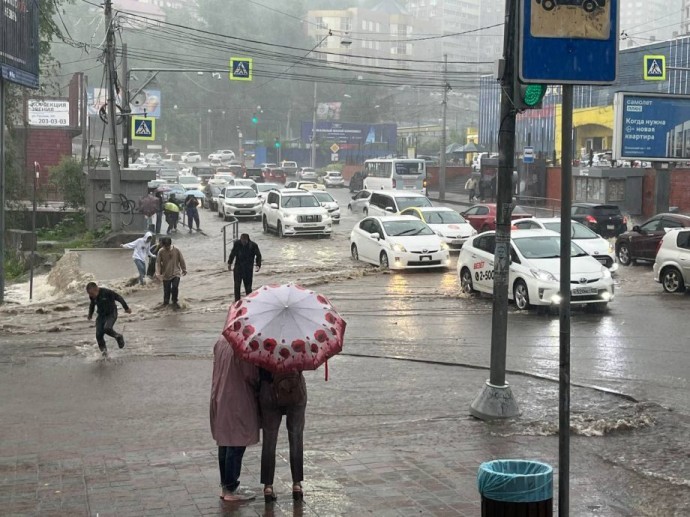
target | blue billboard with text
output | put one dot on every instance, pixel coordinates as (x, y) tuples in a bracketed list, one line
[(651, 127)]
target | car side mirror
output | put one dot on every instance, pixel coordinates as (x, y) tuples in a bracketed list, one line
[(375, 236), (274, 206), (637, 229), (389, 209)]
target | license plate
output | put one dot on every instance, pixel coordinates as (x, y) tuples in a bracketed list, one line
[(584, 291), (422, 258), (244, 212), (610, 227), (310, 224)]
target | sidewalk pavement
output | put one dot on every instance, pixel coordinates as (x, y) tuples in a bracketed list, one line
[(130, 437)]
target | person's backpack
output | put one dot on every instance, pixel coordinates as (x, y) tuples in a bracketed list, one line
[(288, 389)]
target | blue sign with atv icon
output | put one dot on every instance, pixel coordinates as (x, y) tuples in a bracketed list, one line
[(588, 5)]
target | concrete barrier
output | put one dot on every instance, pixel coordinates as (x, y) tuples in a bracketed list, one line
[(106, 263)]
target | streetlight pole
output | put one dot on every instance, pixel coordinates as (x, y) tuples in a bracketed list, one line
[(442, 168), (115, 220), (33, 234), (313, 131)]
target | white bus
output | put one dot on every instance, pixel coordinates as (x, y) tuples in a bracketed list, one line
[(395, 173)]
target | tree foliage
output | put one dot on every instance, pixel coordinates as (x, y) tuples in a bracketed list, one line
[(68, 177)]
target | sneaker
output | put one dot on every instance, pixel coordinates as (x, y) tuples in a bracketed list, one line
[(121, 341), (239, 495)]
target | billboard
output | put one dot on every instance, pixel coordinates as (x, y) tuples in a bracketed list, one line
[(148, 102), (651, 127), (351, 133), (19, 43), (328, 110), (48, 112)]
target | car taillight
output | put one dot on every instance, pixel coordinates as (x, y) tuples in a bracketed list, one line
[(395, 183), (625, 220), (590, 219), (658, 247)]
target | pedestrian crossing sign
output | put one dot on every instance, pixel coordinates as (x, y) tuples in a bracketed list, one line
[(655, 68), (241, 69), (143, 128)]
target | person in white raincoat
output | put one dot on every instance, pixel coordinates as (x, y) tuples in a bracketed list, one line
[(142, 250)]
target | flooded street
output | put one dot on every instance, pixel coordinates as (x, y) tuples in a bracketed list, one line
[(417, 348)]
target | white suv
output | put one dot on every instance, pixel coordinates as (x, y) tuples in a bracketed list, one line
[(191, 157), (239, 202), (223, 155), (295, 212), (672, 264)]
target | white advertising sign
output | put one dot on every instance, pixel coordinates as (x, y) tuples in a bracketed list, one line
[(46, 112)]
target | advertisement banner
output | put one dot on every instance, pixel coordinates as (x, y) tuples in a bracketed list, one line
[(651, 127), (148, 102), (352, 134), (19, 43), (48, 112), (328, 110)]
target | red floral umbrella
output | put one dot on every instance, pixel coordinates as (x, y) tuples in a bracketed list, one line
[(285, 328)]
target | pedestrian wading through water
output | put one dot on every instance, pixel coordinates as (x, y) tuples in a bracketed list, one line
[(105, 300), (245, 253)]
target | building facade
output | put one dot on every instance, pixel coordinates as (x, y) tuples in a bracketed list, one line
[(646, 21)]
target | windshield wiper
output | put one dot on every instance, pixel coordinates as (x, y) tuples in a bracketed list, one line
[(583, 254), (407, 232), (549, 257)]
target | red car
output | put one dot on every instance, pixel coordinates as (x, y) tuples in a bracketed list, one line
[(483, 217), (274, 175)]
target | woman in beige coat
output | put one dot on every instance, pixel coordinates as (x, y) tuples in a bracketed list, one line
[(234, 416)]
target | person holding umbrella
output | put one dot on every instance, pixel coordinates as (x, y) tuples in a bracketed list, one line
[(234, 416), (284, 329), (172, 214), (244, 253), (191, 204)]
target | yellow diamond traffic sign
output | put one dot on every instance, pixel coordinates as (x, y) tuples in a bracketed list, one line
[(335, 148)]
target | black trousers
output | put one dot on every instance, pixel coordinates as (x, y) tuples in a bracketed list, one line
[(243, 275), (104, 325), (230, 463), (171, 287)]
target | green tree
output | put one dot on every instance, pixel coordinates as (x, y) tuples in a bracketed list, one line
[(68, 178)]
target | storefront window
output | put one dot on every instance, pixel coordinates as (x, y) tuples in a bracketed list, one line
[(590, 189), (616, 190)]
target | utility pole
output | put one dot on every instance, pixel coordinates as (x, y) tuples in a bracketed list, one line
[(313, 132), (115, 219), (2, 190), (126, 116), (496, 398), (84, 116), (442, 169)]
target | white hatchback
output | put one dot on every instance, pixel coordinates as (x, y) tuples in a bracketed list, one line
[(239, 202), (534, 270), (398, 242), (672, 264), (593, 243), (446, 222)]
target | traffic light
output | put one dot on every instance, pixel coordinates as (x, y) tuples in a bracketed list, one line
[(255, 119), (277, 143), (528, 96)]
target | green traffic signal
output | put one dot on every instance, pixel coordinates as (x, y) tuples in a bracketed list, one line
[(255, 119), (532, 94), (277, 144)]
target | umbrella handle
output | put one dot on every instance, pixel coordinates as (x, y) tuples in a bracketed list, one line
[(326, 371)]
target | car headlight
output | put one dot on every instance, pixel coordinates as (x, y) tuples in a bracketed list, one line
[(399, 248), (290, 217), (444, 246), (540, 274), (605, 272), (611, 248)]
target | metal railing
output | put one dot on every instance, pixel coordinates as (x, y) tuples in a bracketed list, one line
[(235, 224), (539, 206)]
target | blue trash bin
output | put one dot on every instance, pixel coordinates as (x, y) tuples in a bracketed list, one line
[(516, 488)]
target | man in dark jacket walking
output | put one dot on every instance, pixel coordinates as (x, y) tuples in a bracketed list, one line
[(105, 300), (244, 253)]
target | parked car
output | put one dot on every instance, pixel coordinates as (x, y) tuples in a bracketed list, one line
[(446, 222), (360, 202), (333, 179), (290, 168), (598, 247), (642, 241), (224, 155), (329, 204), (190, 157), (482, 217), (307, 174), (606, 220), (387, 202), (357, 181), (398, 242), (239, 201), (534, 270), (295, 212), (672, 264)]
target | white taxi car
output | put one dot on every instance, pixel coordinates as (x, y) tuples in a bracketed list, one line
[(446, 222), (329, 204), (593, 243), (534, 270), (295, 212), (398, 242), (238, 202)]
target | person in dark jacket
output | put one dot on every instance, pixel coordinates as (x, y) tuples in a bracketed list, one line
[(104, 299), (244, 253), (192, 207)]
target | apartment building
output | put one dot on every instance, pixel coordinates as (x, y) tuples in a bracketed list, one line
[(646, 21)]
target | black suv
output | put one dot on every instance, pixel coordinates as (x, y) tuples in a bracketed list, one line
[(606, 220), (254, 174)]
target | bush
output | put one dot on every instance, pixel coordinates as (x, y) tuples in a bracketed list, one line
[(14, 267), (68, 177)]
